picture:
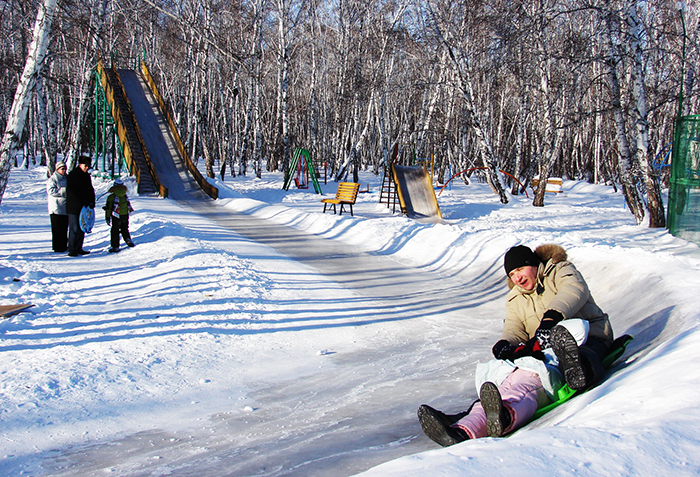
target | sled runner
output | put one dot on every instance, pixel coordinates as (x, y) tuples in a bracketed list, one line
[(565, 393)]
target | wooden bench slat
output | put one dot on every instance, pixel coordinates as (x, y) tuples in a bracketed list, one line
[(555, 182)]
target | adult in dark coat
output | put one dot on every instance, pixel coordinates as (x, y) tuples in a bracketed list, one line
[(80, 193)]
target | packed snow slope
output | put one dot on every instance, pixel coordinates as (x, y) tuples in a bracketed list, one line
[(214, 349)]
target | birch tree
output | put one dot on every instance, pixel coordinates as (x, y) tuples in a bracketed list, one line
[(624, 158), (18, 113), (374, 73), (253, 65), (289, 15), (460, 66), (654, 201), (46, 123), (98, 15), (559, 77)]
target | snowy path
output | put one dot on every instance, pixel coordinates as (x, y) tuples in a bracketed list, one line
[(309, 426), (342, 419), (269, 351)]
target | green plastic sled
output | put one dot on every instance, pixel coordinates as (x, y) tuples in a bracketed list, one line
[(565, 393)]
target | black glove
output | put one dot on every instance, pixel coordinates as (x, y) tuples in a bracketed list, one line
[(108, 220), (503, 350), (531, 348), (549, 321)]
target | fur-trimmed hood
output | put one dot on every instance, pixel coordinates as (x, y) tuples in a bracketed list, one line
[(547, 252), (551, 251)]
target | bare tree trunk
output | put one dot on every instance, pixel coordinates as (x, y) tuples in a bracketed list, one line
[(313, 98), (596, 148), (46, 123), (248, 125), (20, 103), (553, 133), (520, 137), (655, 205), (360, 140), (486, 153), (284, 35), (545, 167), (257, 135), (207, 136), (472, 121), (231, 133), (629, 188), (251, 115), (432, 102), (89, 61), (449, 149), (206, 151)]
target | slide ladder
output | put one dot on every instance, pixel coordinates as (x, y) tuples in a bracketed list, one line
[(388, 194)]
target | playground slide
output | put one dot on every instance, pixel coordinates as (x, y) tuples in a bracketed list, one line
[(164, 155), (416, 193)]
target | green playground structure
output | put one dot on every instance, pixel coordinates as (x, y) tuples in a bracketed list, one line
[(301, 171)]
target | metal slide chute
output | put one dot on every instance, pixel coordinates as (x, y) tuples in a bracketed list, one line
[(210, 190), (132, 145), (416, 193), (148, 137)]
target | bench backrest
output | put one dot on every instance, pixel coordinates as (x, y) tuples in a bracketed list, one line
[(347, 191)]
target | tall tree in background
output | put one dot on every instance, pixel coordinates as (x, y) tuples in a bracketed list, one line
[(46, 122), (461, 67), (288, 18), (20, 104), (249, 135), (561, 66), (624, 159), (94, 30), (374, 68), (636, 35)]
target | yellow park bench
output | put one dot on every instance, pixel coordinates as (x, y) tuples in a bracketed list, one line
[(345, 195), (554, 184)]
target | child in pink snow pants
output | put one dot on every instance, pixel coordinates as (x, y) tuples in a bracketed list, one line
[(521, 393)]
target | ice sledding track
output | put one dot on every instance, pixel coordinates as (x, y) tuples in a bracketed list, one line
[(317, 434)]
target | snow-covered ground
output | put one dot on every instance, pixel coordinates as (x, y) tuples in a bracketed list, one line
[(203, 352)]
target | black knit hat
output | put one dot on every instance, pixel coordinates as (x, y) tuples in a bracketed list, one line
[(519, 256)]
